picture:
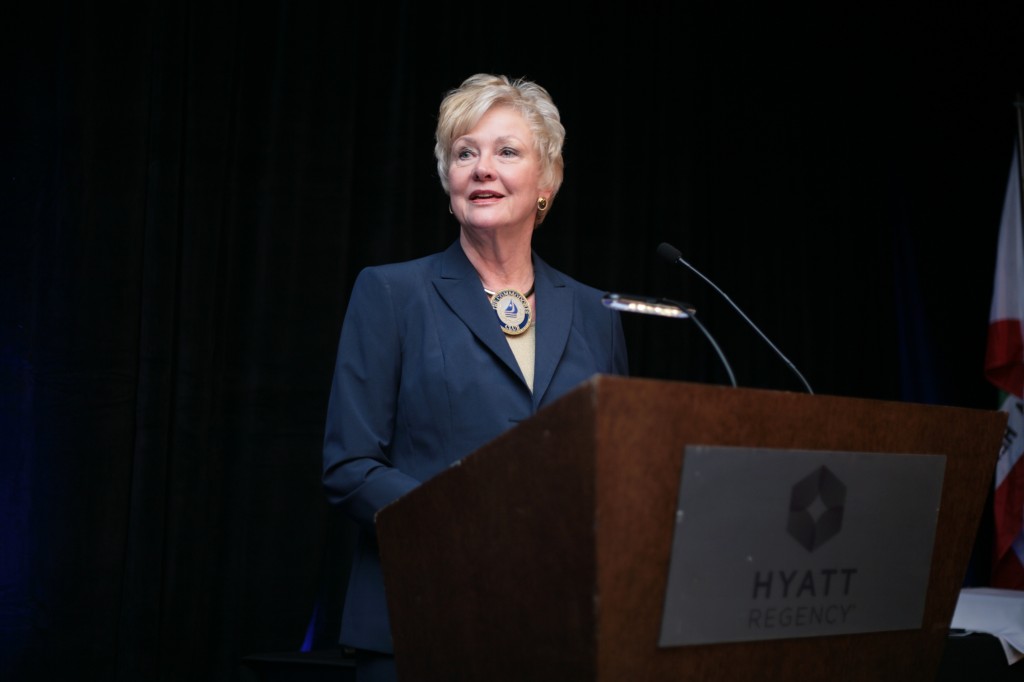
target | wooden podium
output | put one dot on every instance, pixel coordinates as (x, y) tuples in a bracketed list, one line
[(544, 555)]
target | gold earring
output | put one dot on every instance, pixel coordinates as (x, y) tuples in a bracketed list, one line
[(542, 204)]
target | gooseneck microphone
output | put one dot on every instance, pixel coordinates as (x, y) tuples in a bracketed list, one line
[(675, 256)]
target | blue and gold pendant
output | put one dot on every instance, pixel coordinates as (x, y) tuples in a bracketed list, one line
[(513, 310)]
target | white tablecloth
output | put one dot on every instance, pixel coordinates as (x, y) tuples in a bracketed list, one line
[(997, 612)]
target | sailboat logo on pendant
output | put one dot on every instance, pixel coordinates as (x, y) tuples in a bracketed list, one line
[(513, 311)]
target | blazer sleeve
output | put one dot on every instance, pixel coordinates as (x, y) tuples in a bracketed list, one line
[(358, 475)]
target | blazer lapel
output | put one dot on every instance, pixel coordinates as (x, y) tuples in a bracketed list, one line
[(459, 286), (554, 320)]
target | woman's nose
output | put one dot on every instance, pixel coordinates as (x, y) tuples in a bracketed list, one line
[(482, 170)]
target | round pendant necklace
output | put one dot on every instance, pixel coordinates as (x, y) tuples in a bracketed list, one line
[(513, 309)]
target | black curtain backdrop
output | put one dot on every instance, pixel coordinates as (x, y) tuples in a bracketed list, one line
[(189, 190)]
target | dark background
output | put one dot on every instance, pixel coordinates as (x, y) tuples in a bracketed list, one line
[(189, 190)]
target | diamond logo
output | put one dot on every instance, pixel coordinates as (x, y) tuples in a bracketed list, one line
[(816, 508)]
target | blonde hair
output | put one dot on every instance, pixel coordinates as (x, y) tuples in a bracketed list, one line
[(462, 108)]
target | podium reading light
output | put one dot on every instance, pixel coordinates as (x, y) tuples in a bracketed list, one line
[(663, 307), (644, 305)]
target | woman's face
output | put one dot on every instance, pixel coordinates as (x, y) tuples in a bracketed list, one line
[(494, 176)]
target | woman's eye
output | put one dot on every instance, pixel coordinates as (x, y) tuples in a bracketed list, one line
[(508, 152), (463, 154)]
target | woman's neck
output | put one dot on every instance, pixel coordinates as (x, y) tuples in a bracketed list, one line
[(500, 263)]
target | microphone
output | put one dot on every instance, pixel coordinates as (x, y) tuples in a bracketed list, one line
[(664, 307), (675, 256)]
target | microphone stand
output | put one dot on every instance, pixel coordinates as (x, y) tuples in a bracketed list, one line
[(714, 344)]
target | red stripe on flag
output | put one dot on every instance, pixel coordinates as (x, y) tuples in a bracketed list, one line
[(1004, 356), (1009, 509), (1007, 572)]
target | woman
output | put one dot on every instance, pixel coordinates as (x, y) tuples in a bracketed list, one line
[(441, 354)]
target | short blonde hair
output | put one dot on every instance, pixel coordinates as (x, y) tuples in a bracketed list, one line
[(462, 108)]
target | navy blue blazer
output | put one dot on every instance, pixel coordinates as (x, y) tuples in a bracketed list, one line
[(425, 376)]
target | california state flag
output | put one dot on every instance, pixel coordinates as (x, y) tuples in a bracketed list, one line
[(1004, 367)]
